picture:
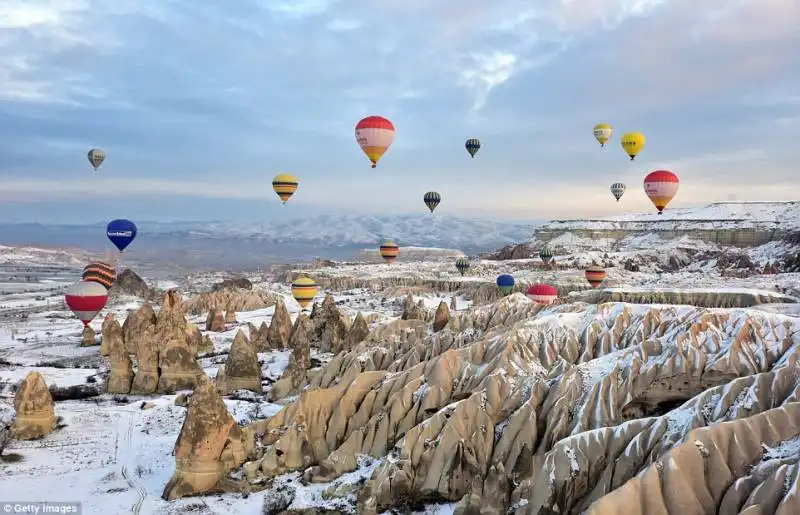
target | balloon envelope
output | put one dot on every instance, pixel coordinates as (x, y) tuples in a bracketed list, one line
[(432, 200), (86, 299), (632, 143), (389, 251), (617, 189), (462, 265), (542, 293), (505, 282), (473, 145), (304, 289), (602, 133), (595, 275), (545, 254), (661, 186), (101, 273), (374, 135), (96, 157), (285, 185), (121, 233)]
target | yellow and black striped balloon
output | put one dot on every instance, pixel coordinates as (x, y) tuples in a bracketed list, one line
[(285, 185), (389, 251), (304, 289), (101, 273)]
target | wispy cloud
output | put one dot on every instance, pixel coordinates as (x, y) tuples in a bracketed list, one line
[(200, 99)]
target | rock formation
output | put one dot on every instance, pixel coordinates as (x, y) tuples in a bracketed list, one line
[(209, 445), (88, 337), (242, 283), (146, 379), (36, 416), (280, 327), (441, 317), (206, 345), (129, 283), (258, 336), (699, 298), (231, 300), (135, 325), (230, 317), (120, 376), (178, 368), (241, 370), (294, 376), (108, 322), (512, 406), (358, 333), (215, 321)]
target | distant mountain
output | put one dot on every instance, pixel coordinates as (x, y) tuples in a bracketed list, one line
[(242, 244)]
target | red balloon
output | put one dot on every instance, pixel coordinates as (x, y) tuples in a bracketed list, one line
[(86, 299), (542, 293), (661, 186)]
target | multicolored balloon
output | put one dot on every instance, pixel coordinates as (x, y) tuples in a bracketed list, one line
[(617, 189), (431, 200), (633, 143), (86, 299), (462, 265), (121, 233), (101, 273), (389, 251), (284, 184), (374, 135), (96, 157), (602, 133), (505, 283), (542, 293), (473, 145), (545, 254), (595, 275), (304, 289), (661, 186)]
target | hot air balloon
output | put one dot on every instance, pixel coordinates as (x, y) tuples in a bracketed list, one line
[(595, 275), (121, 233), (285, 185), (389, 251), (462, 265), (96, 157), (661, 186), (602, 133), (99, 272), (542, 293), (473, 145), (86, 299), (304, 289), (374, 135), (632, 143), (617, 189), (505, 283), (545, 254), (432, 200)]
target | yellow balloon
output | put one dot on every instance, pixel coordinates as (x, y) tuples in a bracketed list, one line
[(304, 289), (602, 133), (285, 185), (633, 143)]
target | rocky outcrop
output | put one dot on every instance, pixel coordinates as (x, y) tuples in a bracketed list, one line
[(230, 300), (108, 322), (358, 332), (135, 326), (241, 370), (88, 337), (230, 317), (280, 327), (699, 298), (536, 409), (35, 409), (209, 445), (215, 321), (146, 379), (233, 283), (258, 336), (441, 317), (295, 374), (120, 375), (130, 283)]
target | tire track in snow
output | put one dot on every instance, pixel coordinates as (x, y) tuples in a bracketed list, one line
[(126, 474)]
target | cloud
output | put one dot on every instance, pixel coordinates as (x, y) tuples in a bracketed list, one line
[(210, 101)]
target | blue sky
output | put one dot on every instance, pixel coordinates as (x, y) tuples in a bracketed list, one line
[(199, 103)]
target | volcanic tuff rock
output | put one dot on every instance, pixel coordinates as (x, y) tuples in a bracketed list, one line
[(120, 375), (230, 300), (129, 283), (295, 374), (441, 317), (135, 325), (230, 317), (215, 321), (233, 283), (280, 327), (258, 336), (36, 416), (241, 370), (699, 298), (88, 337), (551, 409), (107, 321)]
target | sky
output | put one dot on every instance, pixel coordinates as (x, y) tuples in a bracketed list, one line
[(199, 103)]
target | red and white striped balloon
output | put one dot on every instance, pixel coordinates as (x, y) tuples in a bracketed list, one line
[(86, 299), (542, 293)]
